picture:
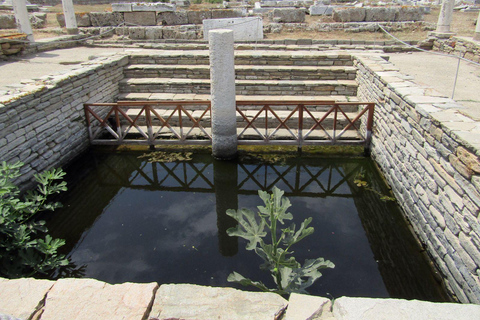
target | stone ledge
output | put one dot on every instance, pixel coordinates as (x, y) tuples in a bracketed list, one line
[(91, 299)]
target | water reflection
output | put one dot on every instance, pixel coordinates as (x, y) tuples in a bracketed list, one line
[(130, 220)]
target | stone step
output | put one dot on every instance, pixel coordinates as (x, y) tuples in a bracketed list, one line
[(240, 98), (243, 72), (243, 87), (245, 57)]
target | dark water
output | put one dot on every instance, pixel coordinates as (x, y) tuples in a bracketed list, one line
[(129, 220)]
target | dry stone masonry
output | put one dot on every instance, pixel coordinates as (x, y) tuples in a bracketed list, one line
[(429, 152), (46, 118)]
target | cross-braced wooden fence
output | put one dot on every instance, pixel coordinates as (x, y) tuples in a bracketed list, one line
[(258, 122)]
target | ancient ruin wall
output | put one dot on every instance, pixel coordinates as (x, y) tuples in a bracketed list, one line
[(429, 154), (43, 124)]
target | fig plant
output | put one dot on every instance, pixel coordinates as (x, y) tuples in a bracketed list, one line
[(24, 251), (273, 244)]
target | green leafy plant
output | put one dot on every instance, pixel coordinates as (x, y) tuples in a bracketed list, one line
[(23, 252), (288, 274)]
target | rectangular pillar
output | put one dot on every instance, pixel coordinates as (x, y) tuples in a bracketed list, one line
[(70, 19), (21, 18), (222, 87)]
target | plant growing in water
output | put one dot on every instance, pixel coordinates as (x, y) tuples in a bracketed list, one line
[(288, 274), (22, 251)]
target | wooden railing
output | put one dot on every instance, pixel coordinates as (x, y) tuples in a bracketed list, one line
[(258, 122)]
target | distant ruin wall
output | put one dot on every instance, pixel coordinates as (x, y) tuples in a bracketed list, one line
[(459, 46), (55, 2), (43, 123), (430, 155)]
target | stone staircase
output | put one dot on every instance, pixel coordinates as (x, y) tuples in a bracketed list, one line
[(329, 75), (260, 76)]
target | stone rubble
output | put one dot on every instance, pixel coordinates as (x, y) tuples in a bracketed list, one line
[(77, 299)]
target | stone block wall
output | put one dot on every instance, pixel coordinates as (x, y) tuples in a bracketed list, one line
[(148, 18), (459, 46), (391, 13), (37, 20), (43, 123), (429, 153)]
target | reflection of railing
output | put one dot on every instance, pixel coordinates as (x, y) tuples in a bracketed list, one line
[(296, 179), (258, 122)]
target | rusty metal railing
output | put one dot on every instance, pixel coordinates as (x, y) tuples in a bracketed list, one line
[(258, 122)]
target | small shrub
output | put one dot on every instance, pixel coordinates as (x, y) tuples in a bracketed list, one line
[(25, 248)]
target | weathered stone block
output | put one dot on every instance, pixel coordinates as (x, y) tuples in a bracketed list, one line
[(104, 19), (301, 306), (469, 159), (136, 33), (121, 7), (92, 299), (226, 13), (140, 18), (287, 15), (187, 301), (155, 7), (153, 33), (7, 21), (83, 19), (320, 10), (409, 14), (172, 18), (21, 297), (349, 14), (380, 14), (197, 17), (367, 308), (460, 167)]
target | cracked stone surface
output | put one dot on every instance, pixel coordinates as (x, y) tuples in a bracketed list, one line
[(21, 297), (305, 307), (91, 299), (395, 309), (187, 301)]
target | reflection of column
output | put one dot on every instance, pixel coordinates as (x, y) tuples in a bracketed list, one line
[(225, 175), (22, 19)]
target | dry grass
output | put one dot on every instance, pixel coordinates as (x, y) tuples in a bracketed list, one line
[(463, 24)]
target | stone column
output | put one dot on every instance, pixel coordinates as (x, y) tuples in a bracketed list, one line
[(222, 87), (70, 19), (21, 17), (477, 29), (445, 17)]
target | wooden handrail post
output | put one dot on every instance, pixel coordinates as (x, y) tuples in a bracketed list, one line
[(369, 129)]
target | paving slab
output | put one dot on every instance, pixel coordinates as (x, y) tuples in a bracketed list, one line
[(439, 72), (22, 297), (346, 308), (305, 307), (193, 302), (86, 299)]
